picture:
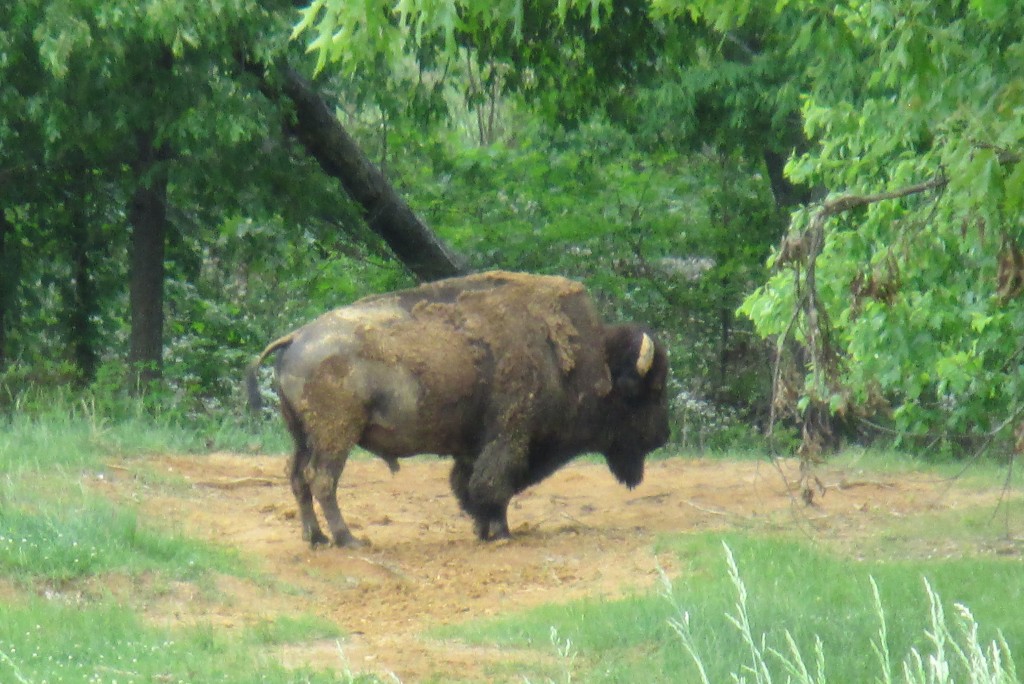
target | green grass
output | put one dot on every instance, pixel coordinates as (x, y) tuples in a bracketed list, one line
[(980, 471), (60, 541), (75, 435), (63, 535), (48, 641), (56, 531), (792, 587), (54, 528), (289, 629)]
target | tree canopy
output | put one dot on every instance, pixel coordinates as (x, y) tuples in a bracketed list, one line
[(903, 283), (895, 293), (655, 148), (140, 137)]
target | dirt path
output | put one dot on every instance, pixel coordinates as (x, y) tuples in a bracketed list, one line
[(577, 534)]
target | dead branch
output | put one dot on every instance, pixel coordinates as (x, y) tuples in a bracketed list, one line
[(391, 568), (712, 511), (845, 484), (1003, 155), (238, 483)]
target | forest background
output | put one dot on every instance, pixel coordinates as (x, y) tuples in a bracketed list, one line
[(820, 206)]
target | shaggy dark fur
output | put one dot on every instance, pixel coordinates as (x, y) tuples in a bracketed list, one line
[(510, 374)]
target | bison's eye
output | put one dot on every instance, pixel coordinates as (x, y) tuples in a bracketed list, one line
[(629, 387)]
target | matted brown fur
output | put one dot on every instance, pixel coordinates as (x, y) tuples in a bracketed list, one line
[(488, 368), (448, 337)]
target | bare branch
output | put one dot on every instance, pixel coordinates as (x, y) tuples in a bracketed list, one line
[(847, 202)]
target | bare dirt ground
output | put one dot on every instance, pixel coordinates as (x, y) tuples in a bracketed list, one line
[(577, 534)]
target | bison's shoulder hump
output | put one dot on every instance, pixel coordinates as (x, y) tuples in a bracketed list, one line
[(513, 314), (497, 284), (554, 284)]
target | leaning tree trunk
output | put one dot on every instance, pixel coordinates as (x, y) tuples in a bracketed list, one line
[(385, 212)]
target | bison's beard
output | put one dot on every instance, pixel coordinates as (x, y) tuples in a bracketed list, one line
[(629, 470)]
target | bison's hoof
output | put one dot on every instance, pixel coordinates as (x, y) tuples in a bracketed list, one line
[(499, 530), (317, 538), (492, 531), (348, 541)]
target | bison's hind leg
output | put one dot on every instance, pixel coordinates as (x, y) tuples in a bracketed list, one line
[(323, 474), (311, 531), (314, 473)]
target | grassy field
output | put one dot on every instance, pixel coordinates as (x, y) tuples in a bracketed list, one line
[(76, 567), (794, 597), (63, 548)]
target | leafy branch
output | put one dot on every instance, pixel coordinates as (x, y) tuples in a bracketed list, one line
[(803, 250)]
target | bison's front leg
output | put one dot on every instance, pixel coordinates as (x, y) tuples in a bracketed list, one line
[(493, 525), (489, 521), (492, 485)]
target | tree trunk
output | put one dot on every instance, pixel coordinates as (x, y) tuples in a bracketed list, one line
[(786, 193), (147, 214), (725, 331), (81, 298), (387, 215), (8, 282)]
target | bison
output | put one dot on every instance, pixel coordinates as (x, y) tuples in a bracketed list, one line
[(512, 375)]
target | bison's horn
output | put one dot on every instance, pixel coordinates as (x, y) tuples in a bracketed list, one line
[(646, 357)]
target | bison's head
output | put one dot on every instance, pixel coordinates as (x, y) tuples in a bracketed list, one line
[(638, 404)]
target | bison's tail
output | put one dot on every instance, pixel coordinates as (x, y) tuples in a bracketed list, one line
[(252, 383)]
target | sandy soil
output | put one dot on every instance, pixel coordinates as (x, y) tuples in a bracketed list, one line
[(577, 534)]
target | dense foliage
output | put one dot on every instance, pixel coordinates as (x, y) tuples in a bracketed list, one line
[(651, 149), (259, 240), (903, 284), (895, 295)]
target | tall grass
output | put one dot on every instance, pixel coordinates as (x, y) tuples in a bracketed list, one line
[(74, 440), (59, 429), (795, 599), (953, 653)]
